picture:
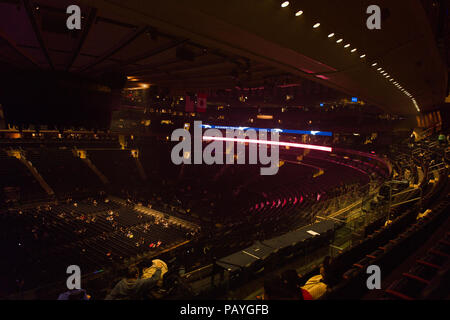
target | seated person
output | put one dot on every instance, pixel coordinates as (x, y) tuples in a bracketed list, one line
[(134, 288), (317, 285)]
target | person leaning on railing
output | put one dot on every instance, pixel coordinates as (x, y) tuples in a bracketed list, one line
[(133, 287)]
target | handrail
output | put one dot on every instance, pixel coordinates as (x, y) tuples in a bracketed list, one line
[(329, 218), (436, 165)]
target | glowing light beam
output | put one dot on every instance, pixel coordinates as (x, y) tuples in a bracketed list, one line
[(268, 142)]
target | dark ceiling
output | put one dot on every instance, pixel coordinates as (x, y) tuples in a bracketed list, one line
[(208, 45)]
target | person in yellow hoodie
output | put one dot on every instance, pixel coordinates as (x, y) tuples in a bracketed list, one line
[(133, 287), (317, 285)]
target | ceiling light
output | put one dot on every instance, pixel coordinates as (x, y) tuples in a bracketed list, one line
[(331, 35), (374, 64), (299, 13), (347, 45), (285, 4), (340, 40), (316, 25), (362, 56), (353, 50), (379, 69)]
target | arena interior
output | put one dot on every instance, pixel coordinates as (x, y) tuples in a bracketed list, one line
[(87, 176)]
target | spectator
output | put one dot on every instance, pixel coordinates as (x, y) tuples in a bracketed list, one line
[(317, 286), (134, 288)]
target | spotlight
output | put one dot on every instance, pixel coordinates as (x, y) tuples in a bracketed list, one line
[(353, 50), (340, 40), (285, 4), (316, 25), (347, 45), (299, 13), (374, 64), (362, 56), (331, 35)]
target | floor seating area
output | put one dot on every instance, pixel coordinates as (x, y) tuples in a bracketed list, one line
[(94, 234)]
